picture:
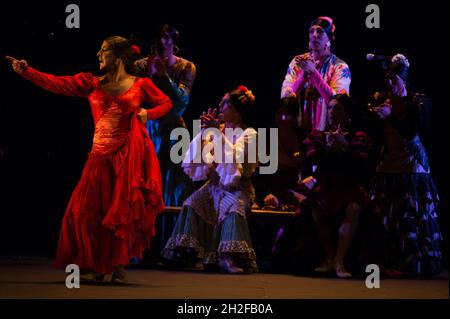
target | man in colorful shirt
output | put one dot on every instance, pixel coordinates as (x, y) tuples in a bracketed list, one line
[(316, 76)]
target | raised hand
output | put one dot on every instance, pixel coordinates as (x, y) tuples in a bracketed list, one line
[(19, 66), (141, 64), (339, 134), (383, 110), (211, 118), (336, 140), (301, 57), (305, 64), (271, 201)]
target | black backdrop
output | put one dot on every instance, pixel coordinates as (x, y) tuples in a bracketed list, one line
[(44, 138)]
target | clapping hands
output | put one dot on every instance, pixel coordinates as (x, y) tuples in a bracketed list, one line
[(305, 64), (336, 140), (211, 118), (383, 110)]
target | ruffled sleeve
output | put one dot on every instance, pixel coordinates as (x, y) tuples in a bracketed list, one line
[(231, 168), (193, 164), (79, 85), (231, 173)]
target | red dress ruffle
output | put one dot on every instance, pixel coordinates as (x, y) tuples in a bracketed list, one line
[(111, 214)]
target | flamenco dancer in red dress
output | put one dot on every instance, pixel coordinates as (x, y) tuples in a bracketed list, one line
[(110, 216)]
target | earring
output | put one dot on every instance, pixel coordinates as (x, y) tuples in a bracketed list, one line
[(176, 49)]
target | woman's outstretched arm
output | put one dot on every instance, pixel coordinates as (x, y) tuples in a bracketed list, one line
[(79, 85)]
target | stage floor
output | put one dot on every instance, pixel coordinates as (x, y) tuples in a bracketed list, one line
[(31, 277)]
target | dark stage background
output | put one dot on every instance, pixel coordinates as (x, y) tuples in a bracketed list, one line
[(45, 138)]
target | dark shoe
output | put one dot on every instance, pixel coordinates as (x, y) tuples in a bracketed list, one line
[(119, 276), (91, 276)]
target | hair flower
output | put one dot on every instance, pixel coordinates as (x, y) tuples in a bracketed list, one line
[(400, 58), (136, 49)]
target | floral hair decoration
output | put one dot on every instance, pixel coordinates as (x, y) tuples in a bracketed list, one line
[(246, 96)]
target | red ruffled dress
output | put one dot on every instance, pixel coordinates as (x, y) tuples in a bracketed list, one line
[(111, 214)]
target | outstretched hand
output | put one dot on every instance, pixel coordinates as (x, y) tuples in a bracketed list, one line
[(19, 66)]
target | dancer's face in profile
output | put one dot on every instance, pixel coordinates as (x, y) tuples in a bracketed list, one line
[(229, 113), (106, 57), (318, 38), (336, 114)]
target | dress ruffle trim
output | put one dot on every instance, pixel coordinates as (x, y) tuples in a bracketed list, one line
[(138, 193), (230, 174), (182, 241), (197, 172)]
